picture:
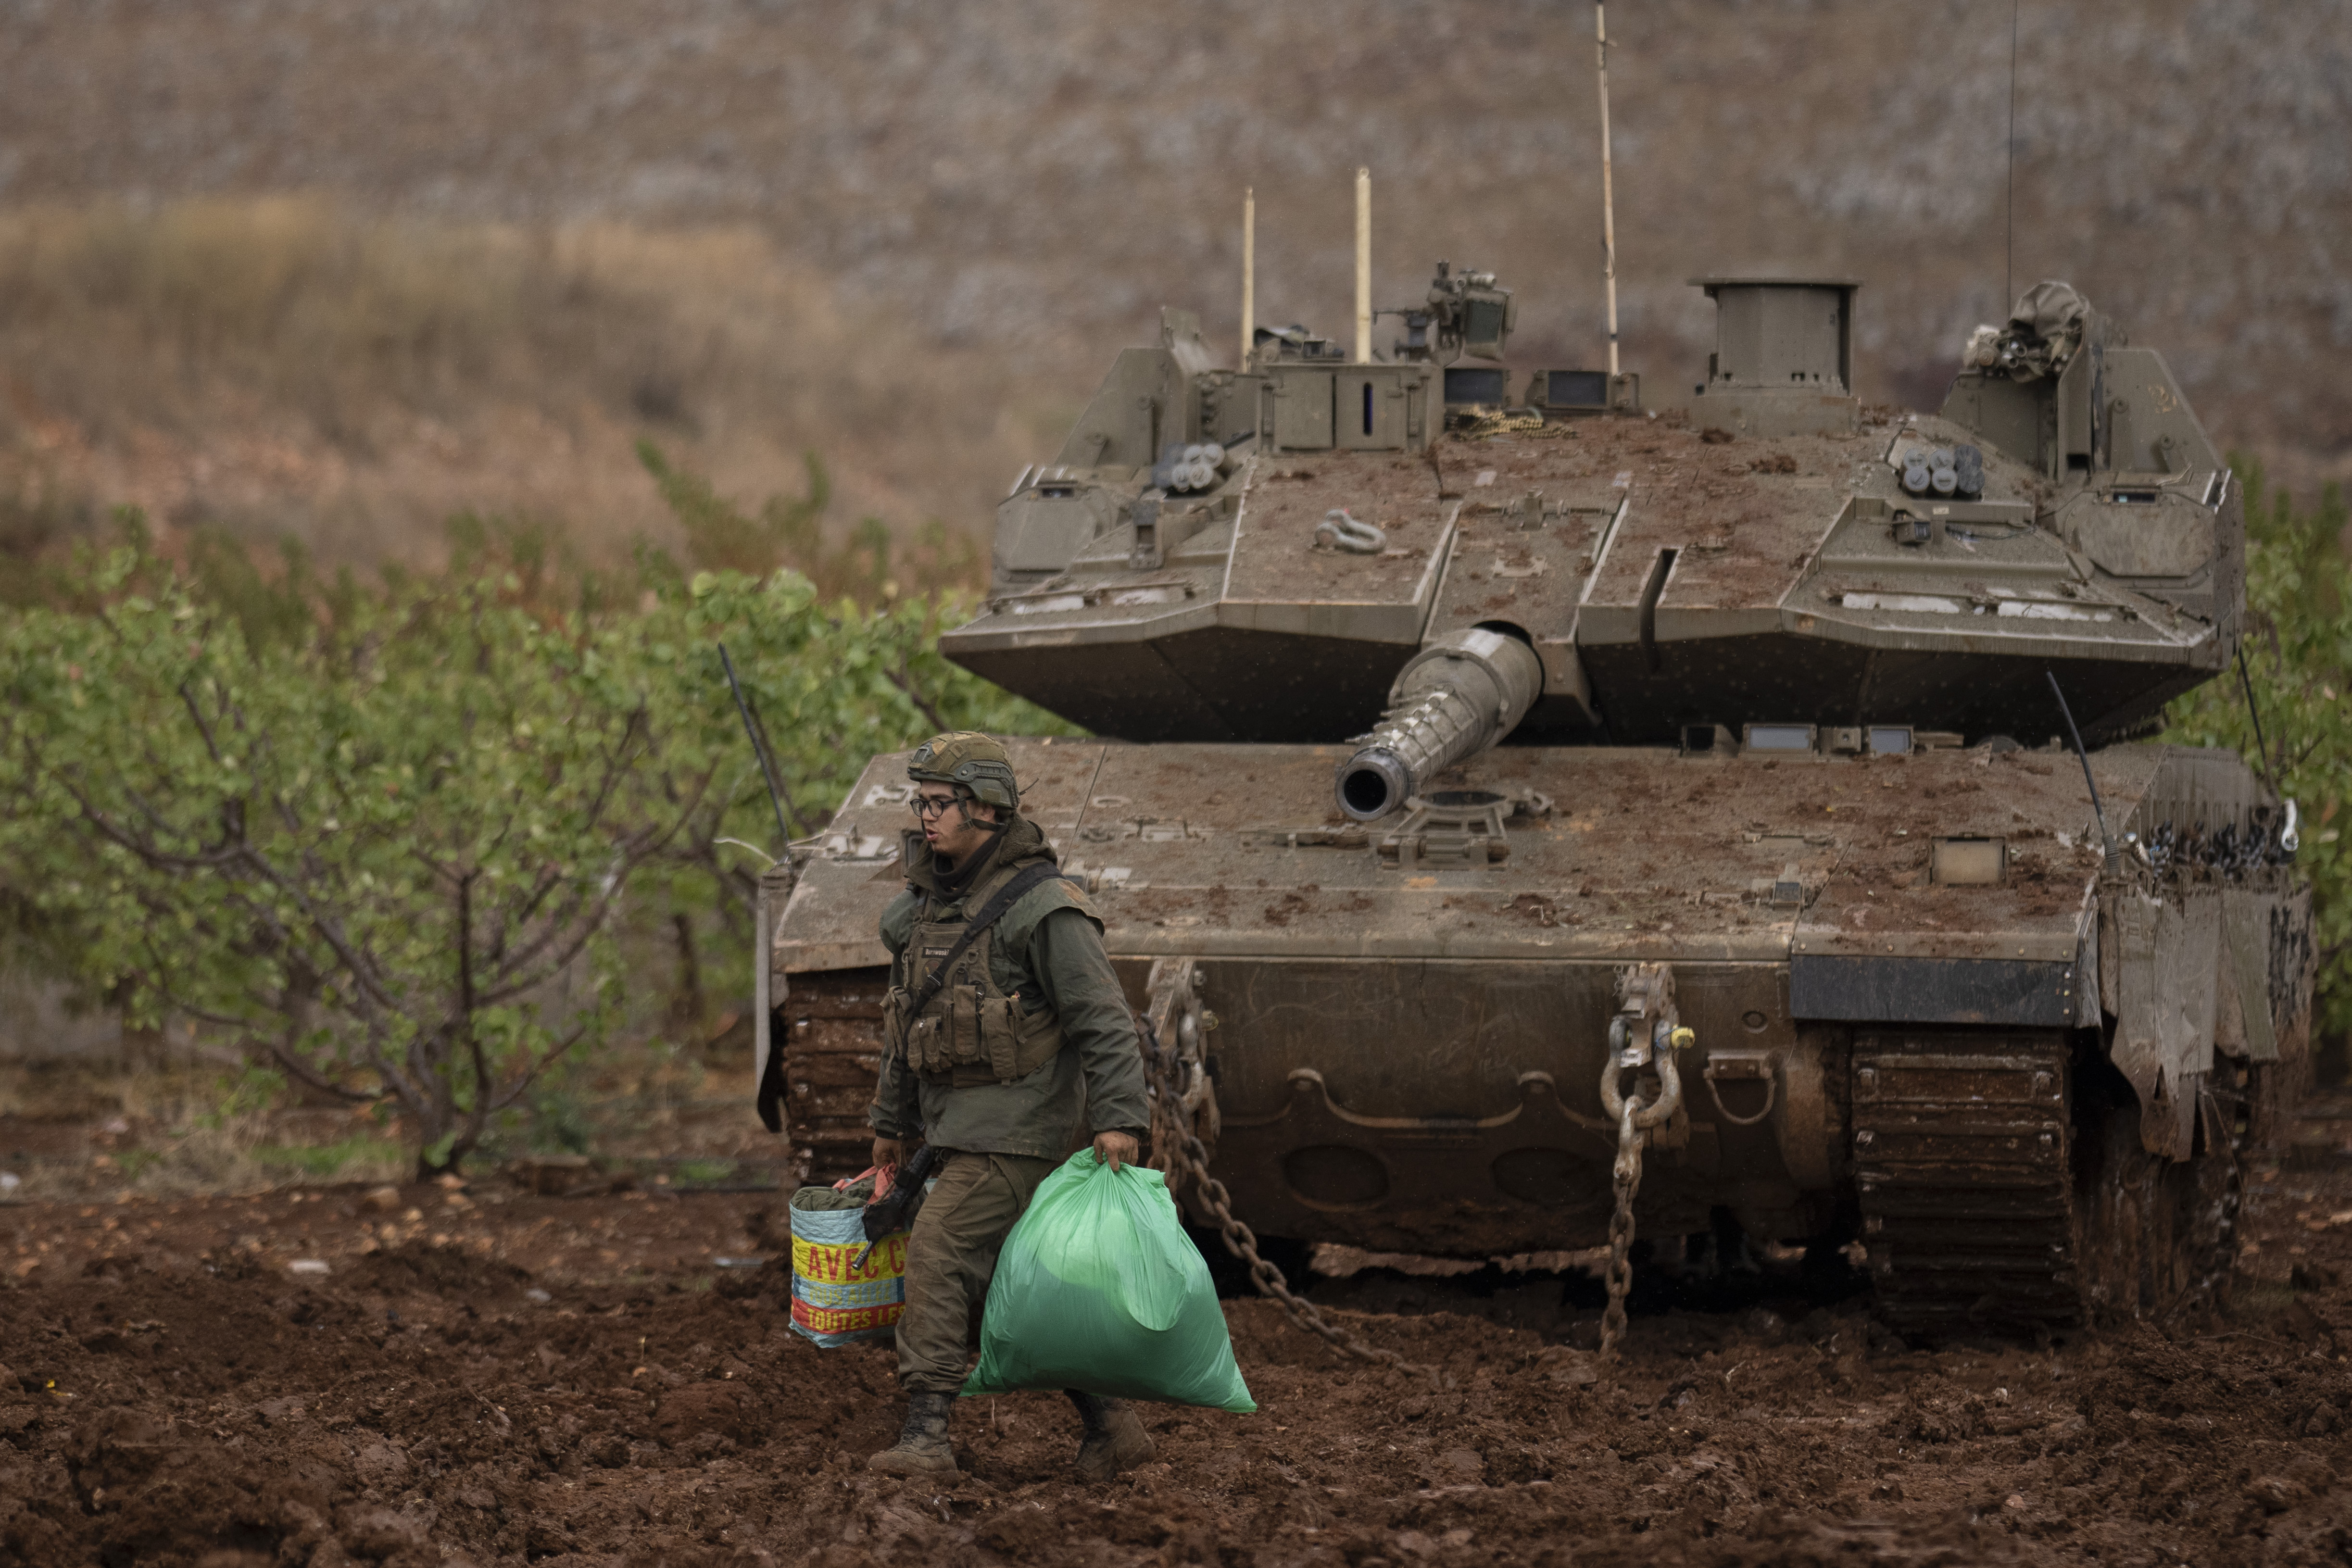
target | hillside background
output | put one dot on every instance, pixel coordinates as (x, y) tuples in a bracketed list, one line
[(333, 270)]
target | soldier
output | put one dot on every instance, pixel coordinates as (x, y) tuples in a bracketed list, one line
[(1004, 1027)]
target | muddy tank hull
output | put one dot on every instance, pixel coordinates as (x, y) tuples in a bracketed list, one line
[(1926, 1012)]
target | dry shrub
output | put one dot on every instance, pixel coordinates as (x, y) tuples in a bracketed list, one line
[(282, 366)]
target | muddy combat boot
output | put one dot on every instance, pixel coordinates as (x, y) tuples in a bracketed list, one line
[(922, 1446), (1115, 1439)]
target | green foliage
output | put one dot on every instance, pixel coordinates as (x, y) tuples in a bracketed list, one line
[(135, 1162), (383, 842), (403, 838), (2298, 652), (788, 531), (831, 690), (255, 1088), (557, 1123), (721, 536)]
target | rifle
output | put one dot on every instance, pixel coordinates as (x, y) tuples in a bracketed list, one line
[(889, 1216)]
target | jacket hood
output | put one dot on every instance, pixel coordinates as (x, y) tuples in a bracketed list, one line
[(1021, 842)]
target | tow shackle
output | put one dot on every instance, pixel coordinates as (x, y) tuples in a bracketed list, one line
[(1628, 1051)]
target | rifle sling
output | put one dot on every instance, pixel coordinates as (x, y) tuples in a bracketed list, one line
[(1003, 899)]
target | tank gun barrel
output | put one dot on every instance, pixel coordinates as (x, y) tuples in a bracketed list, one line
[(1456, 697)]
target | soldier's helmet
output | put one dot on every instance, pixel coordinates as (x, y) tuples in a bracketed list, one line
[(970, 760)]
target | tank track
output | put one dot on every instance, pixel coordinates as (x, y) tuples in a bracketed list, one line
[(1963, 1165), (829, 1029)]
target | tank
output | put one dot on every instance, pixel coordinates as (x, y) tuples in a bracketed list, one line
[(1474, 747)]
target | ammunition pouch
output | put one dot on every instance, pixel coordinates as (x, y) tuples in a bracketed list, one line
[(947, 1015)]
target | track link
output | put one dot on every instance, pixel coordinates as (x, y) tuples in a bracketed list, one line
[(1963, 1165), (829, 1029)]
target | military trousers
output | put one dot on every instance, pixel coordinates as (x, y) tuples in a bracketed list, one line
[(951, 1255)]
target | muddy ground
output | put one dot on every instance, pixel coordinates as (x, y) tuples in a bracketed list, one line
[(490, 1377)]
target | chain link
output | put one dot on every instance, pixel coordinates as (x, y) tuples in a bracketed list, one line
[(1498, 423), (1625, 1178), (1192, 1159), (1645, 1034)]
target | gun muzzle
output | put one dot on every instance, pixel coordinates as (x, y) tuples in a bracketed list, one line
[(1456, 698)]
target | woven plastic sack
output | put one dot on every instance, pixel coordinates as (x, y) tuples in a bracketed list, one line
[(839, 1298), (1099, 1289)]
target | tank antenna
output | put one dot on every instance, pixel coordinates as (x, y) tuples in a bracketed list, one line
[(757, 734), (1363, 266), (2262, 746), (1608, 194), (2106, 834), (1249, 274), (2008, 264)]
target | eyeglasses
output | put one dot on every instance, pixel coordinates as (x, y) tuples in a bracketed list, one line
[(928, 806)]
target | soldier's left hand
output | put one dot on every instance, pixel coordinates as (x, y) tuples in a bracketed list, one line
[(1115, 1149)]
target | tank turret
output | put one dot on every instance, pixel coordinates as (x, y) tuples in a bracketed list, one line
[(1763, 555)]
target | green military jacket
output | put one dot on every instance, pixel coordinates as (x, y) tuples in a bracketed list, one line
[(1046, 950)]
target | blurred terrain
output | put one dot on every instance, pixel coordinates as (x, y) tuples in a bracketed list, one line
[(336, 270), (287, 368)]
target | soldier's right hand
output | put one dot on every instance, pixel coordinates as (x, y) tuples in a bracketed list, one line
[(889, 1153)]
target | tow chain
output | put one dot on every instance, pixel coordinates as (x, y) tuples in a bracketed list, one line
[(1626, 1177), (1175, 1141), (1644, 1033)]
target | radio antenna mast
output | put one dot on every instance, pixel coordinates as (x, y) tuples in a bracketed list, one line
[(1608, 196), (2008, 264), (1249, 274)]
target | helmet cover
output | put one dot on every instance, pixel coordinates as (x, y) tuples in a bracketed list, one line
[(978, 763)]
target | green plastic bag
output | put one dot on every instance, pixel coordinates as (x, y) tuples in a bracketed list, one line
[(1099, 1289)]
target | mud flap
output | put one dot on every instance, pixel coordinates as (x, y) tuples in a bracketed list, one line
[(2168, 969), (2245, 933), (770, 1068)]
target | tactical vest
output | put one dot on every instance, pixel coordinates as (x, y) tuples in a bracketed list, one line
[(970, 1032)]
